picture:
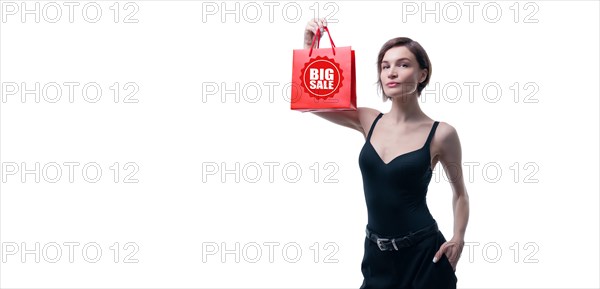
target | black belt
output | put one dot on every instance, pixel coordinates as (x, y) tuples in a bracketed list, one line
[(391, 244)]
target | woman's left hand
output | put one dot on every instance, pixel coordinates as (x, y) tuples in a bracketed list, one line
[(452, 249)]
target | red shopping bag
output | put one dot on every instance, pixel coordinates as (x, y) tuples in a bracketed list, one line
[(323, 79)]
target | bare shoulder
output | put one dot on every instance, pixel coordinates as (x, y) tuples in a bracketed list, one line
[(446, 139), (366, 116), (445, 130)]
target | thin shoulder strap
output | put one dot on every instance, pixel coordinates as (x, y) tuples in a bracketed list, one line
[(373, 125), (432, 132)]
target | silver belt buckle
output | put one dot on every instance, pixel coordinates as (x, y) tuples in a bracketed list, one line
[(380, 244)]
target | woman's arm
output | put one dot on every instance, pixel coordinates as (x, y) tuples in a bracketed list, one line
[(451, 159), (357, 119), (450, 156)]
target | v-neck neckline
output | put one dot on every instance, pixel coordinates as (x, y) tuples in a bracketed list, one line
[(395, 158), (401, 155)]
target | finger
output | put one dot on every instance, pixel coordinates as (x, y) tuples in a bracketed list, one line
[(452, 262), (317, 26), (320, 31), (316, 22), (452, 253), (322, 22), (438, 255), (312, 27), (319, 21), (442, 250)]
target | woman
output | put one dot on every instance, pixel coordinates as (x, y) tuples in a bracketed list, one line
[(404, 247)]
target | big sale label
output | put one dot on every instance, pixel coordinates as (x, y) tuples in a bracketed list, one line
[(321, 77)]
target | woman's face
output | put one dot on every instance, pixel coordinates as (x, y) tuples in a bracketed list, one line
[(400, 72)]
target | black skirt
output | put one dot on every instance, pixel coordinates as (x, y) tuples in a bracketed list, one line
[(408, 268)]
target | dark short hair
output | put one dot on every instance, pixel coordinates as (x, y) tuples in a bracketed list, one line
[(413, 47)]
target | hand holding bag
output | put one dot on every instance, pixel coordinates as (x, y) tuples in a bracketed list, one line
[(323, 79)]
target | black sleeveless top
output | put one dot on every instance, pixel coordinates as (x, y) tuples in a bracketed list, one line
[(395, 192)]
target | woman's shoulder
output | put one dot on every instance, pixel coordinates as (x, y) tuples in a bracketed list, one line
[(366, 117), (445, 128), (367, 114), (445, 134), (367, 110)]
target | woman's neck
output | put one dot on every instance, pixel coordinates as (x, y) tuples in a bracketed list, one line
[(405, 109)]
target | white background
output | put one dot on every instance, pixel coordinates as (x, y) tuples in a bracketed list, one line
[(541, 212)]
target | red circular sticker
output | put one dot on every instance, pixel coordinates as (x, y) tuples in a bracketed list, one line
[(321, 77)]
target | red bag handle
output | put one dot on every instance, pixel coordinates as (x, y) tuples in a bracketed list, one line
[(317, 36)]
